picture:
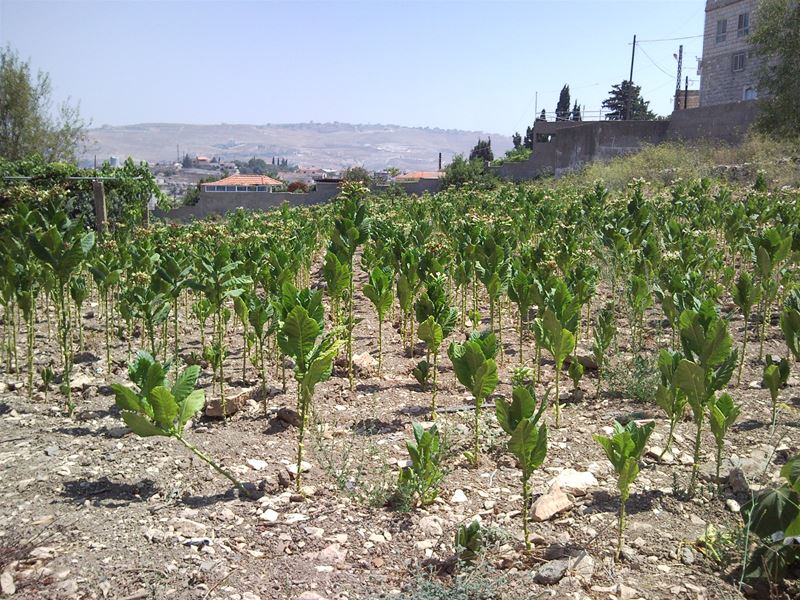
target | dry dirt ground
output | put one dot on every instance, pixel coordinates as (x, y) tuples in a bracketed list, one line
[(88, 510)]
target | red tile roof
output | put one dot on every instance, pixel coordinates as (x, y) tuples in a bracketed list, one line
[(245, 180), (420, 175)]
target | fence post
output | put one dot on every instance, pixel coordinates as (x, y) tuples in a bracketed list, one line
[(101, 220)]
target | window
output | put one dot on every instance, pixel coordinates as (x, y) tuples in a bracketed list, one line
[(743, 28), (261, 188), (750, 93), (722, 30), (737, 62), (230, 188)]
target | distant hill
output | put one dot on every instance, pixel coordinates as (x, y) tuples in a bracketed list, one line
[(327, 145)]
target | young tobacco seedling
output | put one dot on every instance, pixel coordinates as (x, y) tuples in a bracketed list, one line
[(560, 342), (776, 374), (156, 409), (379, 292), (468, 542), (669, 397), (423, 476), (605, 330), (478, 373), (624, 450), (313, 360), (520, 419), (47, 378), (722, 414)]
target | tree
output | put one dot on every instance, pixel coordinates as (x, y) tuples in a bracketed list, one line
[(357, 174), (27, 125), (542, 116), (617, 103), (187, 162), (528, 141), (776, 40), (482, 151), (562, 108), (516, 139), (576, 112), (461, 171)]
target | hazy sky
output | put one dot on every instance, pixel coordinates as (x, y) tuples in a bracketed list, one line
[(457, 64)]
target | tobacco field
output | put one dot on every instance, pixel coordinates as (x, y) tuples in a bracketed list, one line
[(523, 391)]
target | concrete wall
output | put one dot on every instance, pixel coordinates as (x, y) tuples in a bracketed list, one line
[(720, 83), (576, 144), (724, 122), (219, 203)]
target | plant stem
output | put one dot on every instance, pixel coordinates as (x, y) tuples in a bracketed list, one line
[(741, 358), (621, 528), (433, 392), (696, 459), (558, 398), (301, 404), (214, 466), (525, 494), (380, 346)]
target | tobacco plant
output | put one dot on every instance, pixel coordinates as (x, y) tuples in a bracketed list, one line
[(437, 319), (157, 408), (605, 330), (423, 476), (624, 450), (62, 247), (722, 413), (669, 397), (79, 292), (745, 296), (707, 368), (528, 444), (468, 542), (477, 372), (775, 376), (301, 337), (560, 342), (379, 292)]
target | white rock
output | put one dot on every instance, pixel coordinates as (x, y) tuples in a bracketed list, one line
[(550, 504), (732, 505), (269, 515), (431, 526), (575, 482), (7, 586), (459, 497), (304, 467), (188, 528), (296, 518), (257, 464)]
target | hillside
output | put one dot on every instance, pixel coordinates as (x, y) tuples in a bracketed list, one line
[(330, 145)]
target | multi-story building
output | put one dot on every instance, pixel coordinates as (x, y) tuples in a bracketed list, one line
[(729, 68)]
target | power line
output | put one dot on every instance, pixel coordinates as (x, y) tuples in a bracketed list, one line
[(688, 37), (670, 75)]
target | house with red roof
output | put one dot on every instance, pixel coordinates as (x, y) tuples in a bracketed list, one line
[(242, 183)]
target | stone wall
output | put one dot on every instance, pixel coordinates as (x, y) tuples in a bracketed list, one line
[(723, 122)]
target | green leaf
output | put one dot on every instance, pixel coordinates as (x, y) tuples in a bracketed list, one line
[(185, 383), (690, 378), (164, 407), (430, 332), (299, 334), (486, 380), (126, 399), (191, 405), (772, 511), (140, 425)]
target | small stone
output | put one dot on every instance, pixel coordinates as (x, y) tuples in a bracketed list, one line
[(577, 483), (377, 538), (304, 468), (552, 572), (52, 451), (431, 526), (295, 518), (257, 464), (118, 432), (269, 515), (695, 520), (188, 528), (459, 497), (7, 585), (582, 566), (550, 504), (626, 593), (687, 556), (288, 415), (738, 481), (365, 364), (310, 596), (332, 555), (732, 505)]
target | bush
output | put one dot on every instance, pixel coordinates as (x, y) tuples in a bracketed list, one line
[(297, 187)]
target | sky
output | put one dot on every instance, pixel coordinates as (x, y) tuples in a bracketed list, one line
[(448, 64)]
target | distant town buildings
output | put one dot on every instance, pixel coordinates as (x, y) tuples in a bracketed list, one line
[(729, 67)]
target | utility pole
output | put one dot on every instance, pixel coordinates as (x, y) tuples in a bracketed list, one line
[(536, 106), (686, 94), (629, 98), (678, 80)]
